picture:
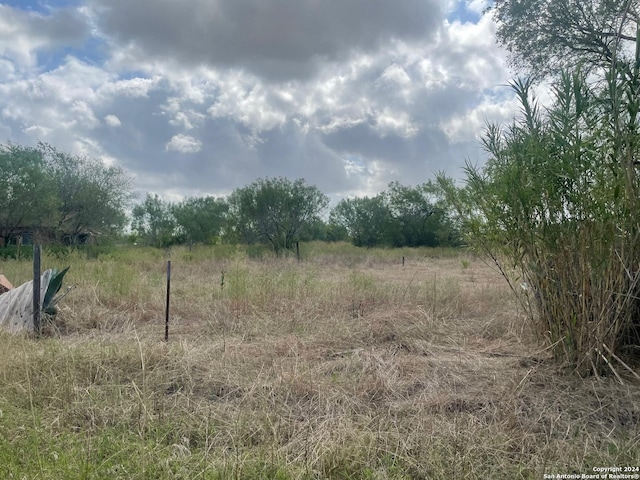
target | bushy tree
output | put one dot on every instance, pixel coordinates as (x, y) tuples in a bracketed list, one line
[(91, 196), (275, 210), (153, 222), (366, 219), (27, 194), (420, 216), (402, 216), (43, 188), (317, 230), (546, 36), (200, 219)]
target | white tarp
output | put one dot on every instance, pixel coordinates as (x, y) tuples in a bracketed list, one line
[(16, 305)]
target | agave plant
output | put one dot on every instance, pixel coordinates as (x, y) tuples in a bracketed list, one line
[(51, 297)]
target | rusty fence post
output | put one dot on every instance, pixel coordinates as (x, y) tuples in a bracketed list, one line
[(36, 290), (166, 318)]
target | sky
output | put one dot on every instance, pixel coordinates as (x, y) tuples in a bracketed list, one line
[(199, 97)]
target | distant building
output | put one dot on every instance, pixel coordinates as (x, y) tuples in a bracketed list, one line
[(46, 236)]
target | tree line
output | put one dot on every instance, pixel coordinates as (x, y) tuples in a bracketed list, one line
[(71, 196), (280, 212)]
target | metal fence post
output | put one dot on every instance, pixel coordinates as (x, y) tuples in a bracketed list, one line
[(36, 290), (166, 319)]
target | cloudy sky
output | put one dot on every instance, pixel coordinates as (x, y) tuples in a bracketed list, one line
[(198, 97)]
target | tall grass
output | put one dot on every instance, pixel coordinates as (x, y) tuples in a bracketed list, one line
[(556, 209), (325, 368)]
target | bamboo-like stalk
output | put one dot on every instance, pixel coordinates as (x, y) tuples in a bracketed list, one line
[(556, 207)]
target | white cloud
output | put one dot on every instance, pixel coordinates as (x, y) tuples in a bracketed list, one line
[(249, 103), (398, 123), (396, 74), (184, 144), (38, 131), (132, 88), (288, 92), (112, 120), (470, 125), (23, 34)]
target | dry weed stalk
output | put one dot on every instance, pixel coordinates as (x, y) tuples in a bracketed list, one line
[(293, 386)]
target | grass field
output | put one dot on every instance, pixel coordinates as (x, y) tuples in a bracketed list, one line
[(344, 365)]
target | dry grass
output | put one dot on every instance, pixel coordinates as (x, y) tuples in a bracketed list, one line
[(347, 366)]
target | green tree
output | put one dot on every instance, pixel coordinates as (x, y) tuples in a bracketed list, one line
[(275, 210), (335, 232), (27, 194), (153, 222), (366, 219), (401, 216), (420, 216), (318, 229), (92, 197), (200, 219), (546, 36)]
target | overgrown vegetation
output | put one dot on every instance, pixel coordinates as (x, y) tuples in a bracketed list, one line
[(275, 211), (344, 365), (556, 209), (59, 197)]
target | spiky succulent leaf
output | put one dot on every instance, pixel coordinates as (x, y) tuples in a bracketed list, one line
[(50, 300)]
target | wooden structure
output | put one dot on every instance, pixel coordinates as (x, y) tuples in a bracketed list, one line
[(46, 236)]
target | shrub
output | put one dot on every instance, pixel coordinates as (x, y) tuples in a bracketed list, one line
[(556, 209)]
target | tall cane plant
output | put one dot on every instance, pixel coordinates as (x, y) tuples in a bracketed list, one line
[(556, 208)]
